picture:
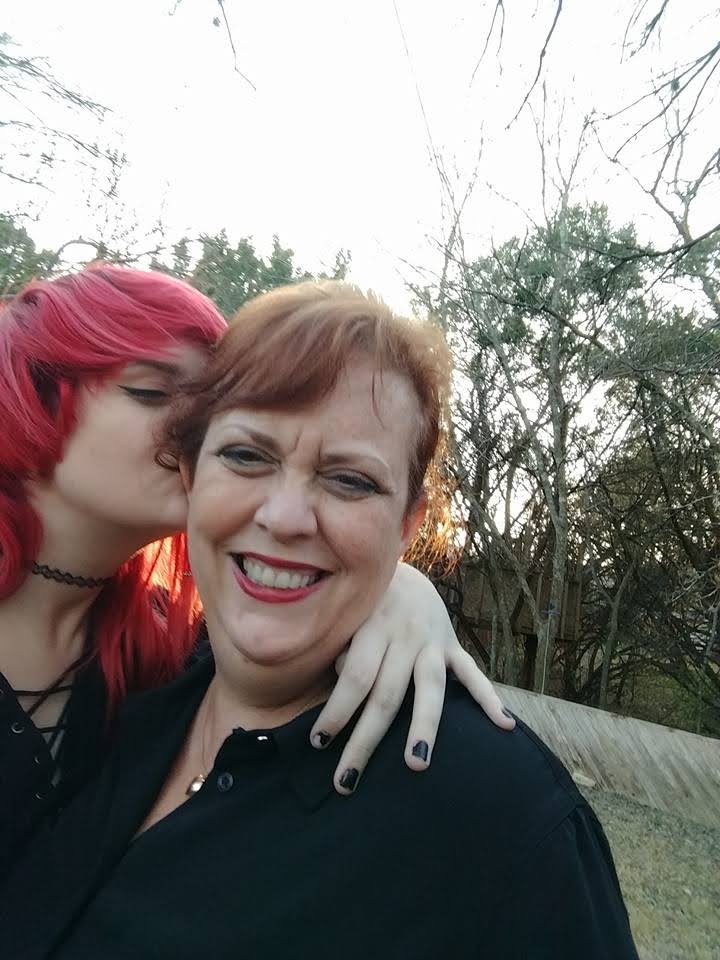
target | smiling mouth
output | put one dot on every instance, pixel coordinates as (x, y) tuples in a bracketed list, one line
[(277, 578)]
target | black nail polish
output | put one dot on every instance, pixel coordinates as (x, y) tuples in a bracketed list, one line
[(507, 713), (322, 739), (349, 779), (421, 750)]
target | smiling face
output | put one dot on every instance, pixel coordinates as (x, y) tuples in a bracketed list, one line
[(108, 474), (297, 519)]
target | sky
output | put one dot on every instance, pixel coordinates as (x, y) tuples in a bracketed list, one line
[(329, 141)]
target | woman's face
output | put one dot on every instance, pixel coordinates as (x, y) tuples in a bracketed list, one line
[(108, 474), (297, 519)]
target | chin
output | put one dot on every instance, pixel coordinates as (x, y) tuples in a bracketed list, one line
[(265, 648), (270, 654), (172, 517)]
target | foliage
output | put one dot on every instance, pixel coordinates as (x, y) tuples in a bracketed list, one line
[(230, 275), (20, 260), (586, 450)]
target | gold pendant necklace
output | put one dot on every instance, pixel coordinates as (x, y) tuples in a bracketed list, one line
[(199, 779), (195, 784)]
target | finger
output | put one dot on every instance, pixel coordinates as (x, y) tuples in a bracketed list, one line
[(359, 672), (378, 714), (340, 662), (430, 677), (480, 688)]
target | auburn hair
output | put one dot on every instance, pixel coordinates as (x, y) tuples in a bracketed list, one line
[(56, 335), (287, 349)]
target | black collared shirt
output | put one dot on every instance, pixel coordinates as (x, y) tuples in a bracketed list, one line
[(490, 853)]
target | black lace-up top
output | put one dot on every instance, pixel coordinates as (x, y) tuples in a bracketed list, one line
[(42, 767)]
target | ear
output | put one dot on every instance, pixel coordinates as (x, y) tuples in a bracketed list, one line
[(186, 474), (413, 521)]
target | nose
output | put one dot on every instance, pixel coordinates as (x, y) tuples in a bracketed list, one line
[(287, 511)]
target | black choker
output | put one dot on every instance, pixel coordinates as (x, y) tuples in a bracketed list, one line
[(60, 576)]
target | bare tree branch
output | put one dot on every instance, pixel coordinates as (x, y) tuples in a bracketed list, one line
[(499, 8), (543, 52), (221, 4)]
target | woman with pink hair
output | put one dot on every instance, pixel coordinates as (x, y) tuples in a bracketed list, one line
[(96, 600)]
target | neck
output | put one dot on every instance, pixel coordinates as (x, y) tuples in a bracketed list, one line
[(43, 624), (53, 612), (254, 697), (77, 542), (43, 629)]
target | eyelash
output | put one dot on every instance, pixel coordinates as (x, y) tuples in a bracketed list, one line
[(356, 483), (351, 482), (244, 455), (151, 398)]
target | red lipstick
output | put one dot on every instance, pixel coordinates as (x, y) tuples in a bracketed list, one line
[(282, 564), (259, 591)]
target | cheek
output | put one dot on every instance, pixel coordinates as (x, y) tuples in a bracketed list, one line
[(366, 536), (218, 507), (123, 437)]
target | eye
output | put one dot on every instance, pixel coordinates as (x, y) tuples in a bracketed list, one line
[(149, 398), (353, 483), (247, 457)]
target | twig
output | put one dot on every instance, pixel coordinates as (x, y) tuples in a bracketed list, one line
[(499, 6), (548, 38), (221, 4)]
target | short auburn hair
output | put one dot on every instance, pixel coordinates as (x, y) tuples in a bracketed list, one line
[(287, 349)]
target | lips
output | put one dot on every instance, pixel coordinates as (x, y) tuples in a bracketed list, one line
[(276, 580)]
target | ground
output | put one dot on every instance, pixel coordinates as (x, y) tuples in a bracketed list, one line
[(669, 870)]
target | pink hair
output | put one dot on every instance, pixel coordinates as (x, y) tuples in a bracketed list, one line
[(55, 335)]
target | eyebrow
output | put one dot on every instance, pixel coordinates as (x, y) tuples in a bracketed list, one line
[(162, 365), (262, 439), (271, 445)]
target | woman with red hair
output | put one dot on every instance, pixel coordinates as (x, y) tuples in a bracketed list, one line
[(96, 600)]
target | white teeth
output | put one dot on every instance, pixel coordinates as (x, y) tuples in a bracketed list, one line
[(269, 576), (282, 579)]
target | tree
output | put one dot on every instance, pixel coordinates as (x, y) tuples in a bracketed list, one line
[(20, 260), (586, 454), (230, 275)]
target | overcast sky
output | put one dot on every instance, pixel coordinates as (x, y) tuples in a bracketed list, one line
[(329, 147)]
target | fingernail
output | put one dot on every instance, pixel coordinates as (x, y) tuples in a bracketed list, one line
[(421, 750), (321, 739), (348, 781), (507, 713)]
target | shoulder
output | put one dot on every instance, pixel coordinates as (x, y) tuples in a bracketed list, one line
[(481, 774), (469, 741)]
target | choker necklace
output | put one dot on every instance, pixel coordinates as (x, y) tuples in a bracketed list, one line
[(61, 576)]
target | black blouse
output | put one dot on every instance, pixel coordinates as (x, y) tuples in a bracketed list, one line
[(33, 783), (491, 853)]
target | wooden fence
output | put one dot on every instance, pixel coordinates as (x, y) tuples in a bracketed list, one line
[(667, 769)]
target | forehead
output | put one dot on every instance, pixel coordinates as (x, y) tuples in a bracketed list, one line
[(374, 406), (181, 361)]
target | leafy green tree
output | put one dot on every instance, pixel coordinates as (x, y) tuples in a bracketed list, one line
[(231, 275), (586, 451), (20, 260)]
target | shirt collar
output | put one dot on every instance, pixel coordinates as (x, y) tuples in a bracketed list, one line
[(309, 770)]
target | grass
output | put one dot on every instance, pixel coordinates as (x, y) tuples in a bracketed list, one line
[(669, 870)]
